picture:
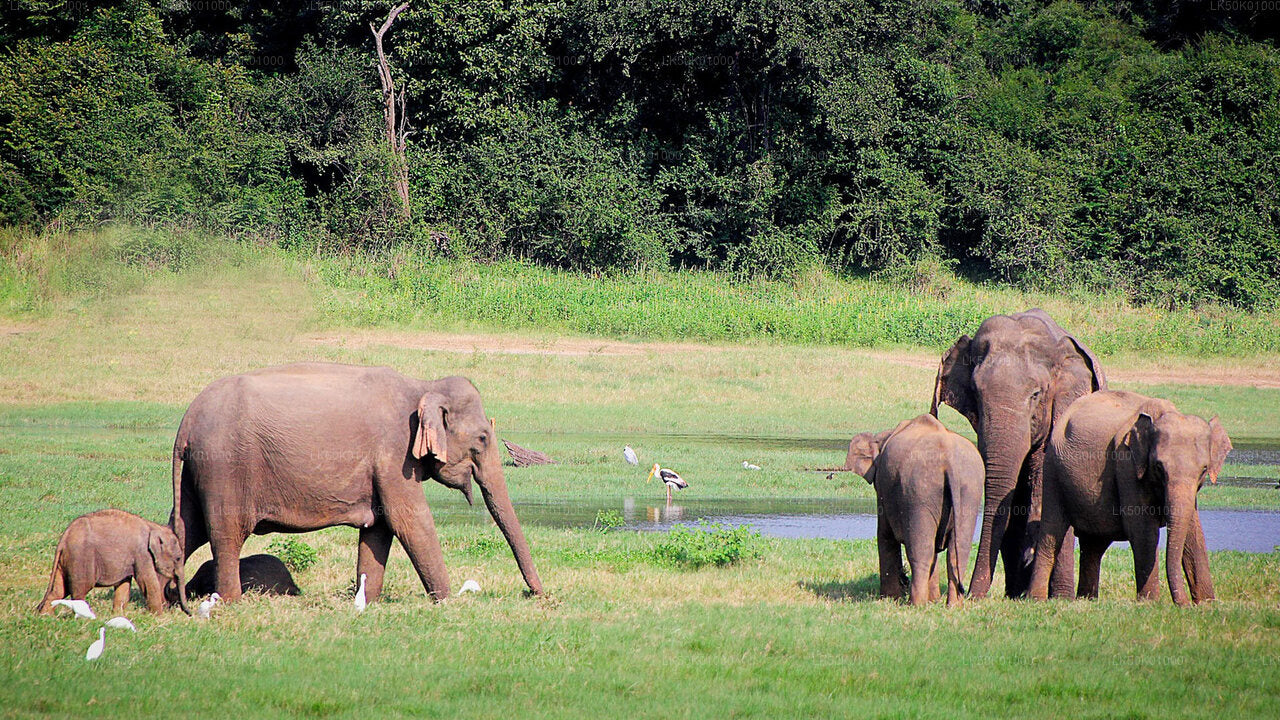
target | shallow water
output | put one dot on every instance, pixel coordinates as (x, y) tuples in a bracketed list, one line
[(829, 518)]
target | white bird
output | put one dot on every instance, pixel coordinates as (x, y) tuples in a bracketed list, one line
[(206, 607), (120, 622), (95, 650), (361, 602), (748, 466), (470, 586), (79, 607), (630, 455), (669, 478)]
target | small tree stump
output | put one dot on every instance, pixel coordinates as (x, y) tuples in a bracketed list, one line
[(524, 457)]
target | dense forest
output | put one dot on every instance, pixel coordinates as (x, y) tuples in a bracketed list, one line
[(1118, 144)]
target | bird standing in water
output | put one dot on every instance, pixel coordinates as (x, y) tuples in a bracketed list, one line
[(630, 455), (669, 478)]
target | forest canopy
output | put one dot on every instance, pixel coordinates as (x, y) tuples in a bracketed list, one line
[(1119, 144)]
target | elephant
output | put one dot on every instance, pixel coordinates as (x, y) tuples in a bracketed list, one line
[(1012, 380), (1118, 466), (300, 447), (928, 483), (264, 573), (111, 548)]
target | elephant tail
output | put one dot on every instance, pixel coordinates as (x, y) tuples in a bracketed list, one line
[(57, 582), (954, 571), (175, 516)]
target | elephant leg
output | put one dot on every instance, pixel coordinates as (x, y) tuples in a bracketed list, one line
[(1062, 580), (226, 561), (57, 588), (411, 522), (1091, 551), (120, 597), (923, 558), (152, 587), (1014, 551), (935, 591), (1195, 563), (1144, 538), (891, 585), (371, 558)]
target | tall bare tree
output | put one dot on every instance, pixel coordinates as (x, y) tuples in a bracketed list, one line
[(394, 114)]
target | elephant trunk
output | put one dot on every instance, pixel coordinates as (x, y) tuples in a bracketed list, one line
[(1003, 454), (1180, 506), (494, 489)]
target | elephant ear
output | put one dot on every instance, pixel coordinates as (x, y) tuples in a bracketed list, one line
[(1098, 378), (162, 544), (1137, 444), (862, 454), (1219, 446), (430, 436), (954, 383)]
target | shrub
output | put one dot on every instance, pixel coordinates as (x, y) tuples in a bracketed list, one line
[(708, 544), (295, 554), (607, 520)]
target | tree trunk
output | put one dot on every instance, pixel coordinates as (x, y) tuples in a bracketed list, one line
[(394, 115)]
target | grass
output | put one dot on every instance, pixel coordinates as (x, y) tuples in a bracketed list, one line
[(818, 308), (95, 382)]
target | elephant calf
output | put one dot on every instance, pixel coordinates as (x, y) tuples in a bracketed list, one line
[(109, 548), (263, 573), (1118, 466), (928, 483)]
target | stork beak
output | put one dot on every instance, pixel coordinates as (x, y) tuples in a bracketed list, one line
[(651, 472)]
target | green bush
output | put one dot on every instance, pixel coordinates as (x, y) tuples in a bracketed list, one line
[(607, 520), (295, 554), (708, 544)]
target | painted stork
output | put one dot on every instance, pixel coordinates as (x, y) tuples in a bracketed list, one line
[(95, 650), (669, 478), (630, 455)]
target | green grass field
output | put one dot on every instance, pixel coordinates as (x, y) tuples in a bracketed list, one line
[(95, 381)]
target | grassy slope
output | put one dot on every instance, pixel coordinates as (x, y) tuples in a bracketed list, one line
[(92, 391)]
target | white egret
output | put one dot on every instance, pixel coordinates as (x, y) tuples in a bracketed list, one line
[(361, 602), (206, 607), (95, 650), (470, 586), (669, 478), (120, 622), (79, 607), (630, 455), (748, 466)]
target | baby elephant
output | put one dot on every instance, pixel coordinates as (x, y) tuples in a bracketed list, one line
[(264, 573), (1118, 466), (928, 483), (108, 548)]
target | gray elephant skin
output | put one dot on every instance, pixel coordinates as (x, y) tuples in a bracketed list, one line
[(112, 548), (262, 573), (311, 445), (1012, 380), (928, 483), (1119, 466)]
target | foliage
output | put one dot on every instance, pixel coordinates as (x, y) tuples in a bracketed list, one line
[(708, 544), (607, 520), (295, 554), (1046, 144)]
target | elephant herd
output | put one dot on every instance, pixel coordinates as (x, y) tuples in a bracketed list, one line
[(311, 445)]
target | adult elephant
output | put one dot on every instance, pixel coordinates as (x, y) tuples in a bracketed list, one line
[(311, 445), (1012, 380)]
